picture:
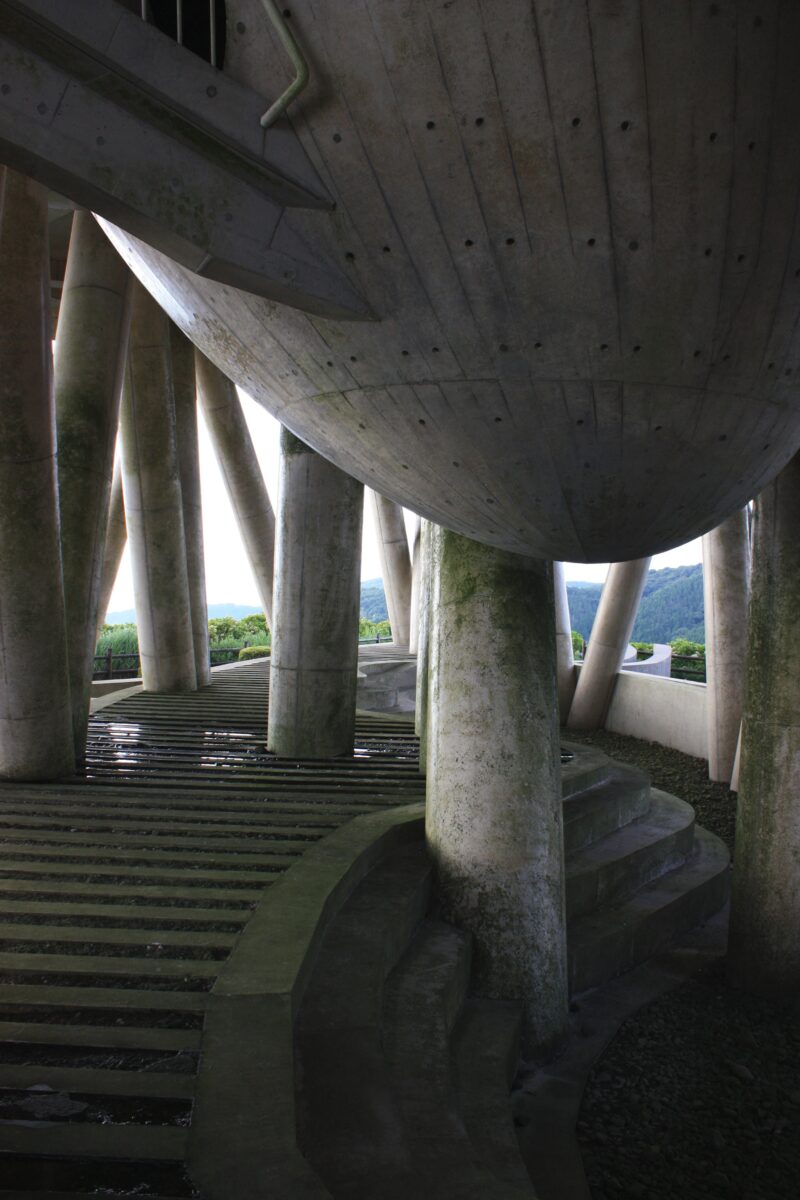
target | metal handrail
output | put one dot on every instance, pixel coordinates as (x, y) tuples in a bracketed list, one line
[(298, 62)]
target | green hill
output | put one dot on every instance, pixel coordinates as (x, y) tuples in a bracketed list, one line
[(671, 607)]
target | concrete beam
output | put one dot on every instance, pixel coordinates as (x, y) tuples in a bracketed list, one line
[(90, 353), (494, 812), (610, 635), (241, 473), (317, 585), (35, 714)]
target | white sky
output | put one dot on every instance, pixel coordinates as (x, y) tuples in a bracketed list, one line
[(229, 579)]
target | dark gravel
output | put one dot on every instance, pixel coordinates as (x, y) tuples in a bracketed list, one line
[(698, 1096)]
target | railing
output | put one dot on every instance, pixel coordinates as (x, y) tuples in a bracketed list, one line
[(127, 666), (278, 17), (689, 666)]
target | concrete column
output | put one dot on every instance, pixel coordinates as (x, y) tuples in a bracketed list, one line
[(424, 642), (153, 504), (90, 352), (565, 658), (185, 390), (413, 633), (390, 527), (764, 943), (116, 538), (244, 482), (35, 715), (726, 571), (317, 600), (494, 814), (610, 636)]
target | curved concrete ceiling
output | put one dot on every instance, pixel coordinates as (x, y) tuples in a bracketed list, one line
[(577, 227)]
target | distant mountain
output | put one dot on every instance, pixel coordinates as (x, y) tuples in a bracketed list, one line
[(373, 606), (671, 607)]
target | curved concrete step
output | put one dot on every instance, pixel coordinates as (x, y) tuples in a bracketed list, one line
[(607, 942), (619, 864), (603, 805), (485, 1052)]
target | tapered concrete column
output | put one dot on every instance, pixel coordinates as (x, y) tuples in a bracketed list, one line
[(764, 944), (390, 527), (90, 352), (726, 571), (494, 820), (35, 715), (611, 634), (153, 504), (424, 642), (244, 482), (185, 390), (317, 597), (413, 633), (565, 658), (116, 539)]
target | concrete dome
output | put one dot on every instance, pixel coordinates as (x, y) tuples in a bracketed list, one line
[(576, 226)]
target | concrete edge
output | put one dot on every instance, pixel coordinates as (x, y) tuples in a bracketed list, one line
[(129, 688), (243, 1133)]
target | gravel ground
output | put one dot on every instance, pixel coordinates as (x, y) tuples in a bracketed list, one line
[(699, 1093)]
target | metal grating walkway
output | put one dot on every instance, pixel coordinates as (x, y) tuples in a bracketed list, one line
[(122, 894)]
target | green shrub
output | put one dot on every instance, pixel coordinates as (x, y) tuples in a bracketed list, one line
[(253, 652), (685, 647), (119, 639), (577, 643)]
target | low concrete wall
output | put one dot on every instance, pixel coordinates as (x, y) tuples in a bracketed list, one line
[(659, 662), (671, 712)]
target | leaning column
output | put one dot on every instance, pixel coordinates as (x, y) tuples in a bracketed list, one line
[(610, 635), (317, 598), (116, 539), (185, 390), (764, 944), (565, 657), (390, 527), (241, 472), (494, 820), (413, 633), (725, 587), (90, 351), (153, 504), (35, 715)]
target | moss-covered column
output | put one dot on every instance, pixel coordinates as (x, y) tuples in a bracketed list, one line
[(317, 598), (413, 633), (610, 636), (91, 347), (423, 642), (154, 505), (241, 472), (565, 658), (764, 945), (35, 715), (185, 390), (116, 538), (494, 820), (726, 580), (390, 528)]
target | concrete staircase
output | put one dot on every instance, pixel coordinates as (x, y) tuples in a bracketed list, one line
[(403, 1078)]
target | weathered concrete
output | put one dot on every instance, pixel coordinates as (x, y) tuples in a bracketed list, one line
[(494, 813), (611, 633), (726, 582), (116, 539), (35, 717), (413, 633), (241, 472), (185, 391), (153, 504), (423, 642), (565, 658), (90, 353), (390, 528), (317, 591), (764, 953), (671, 712)]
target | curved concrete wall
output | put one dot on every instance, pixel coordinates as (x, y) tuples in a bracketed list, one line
[(576, 226)]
